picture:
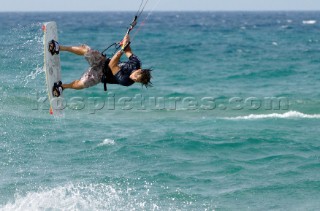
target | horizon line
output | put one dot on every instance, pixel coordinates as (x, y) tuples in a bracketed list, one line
[(258, 10)]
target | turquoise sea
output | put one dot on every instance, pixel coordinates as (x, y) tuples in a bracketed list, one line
[(231, 123)]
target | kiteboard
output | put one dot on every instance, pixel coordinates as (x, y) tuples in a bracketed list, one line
[(52, 67)]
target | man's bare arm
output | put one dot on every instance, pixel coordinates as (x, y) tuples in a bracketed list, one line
[(113, 64)]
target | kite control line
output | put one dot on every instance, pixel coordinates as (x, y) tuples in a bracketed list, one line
[(134, 22)]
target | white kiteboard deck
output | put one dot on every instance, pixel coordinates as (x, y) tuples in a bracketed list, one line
[(52, 67)]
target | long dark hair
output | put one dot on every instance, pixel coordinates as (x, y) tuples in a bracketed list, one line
[(146, 78)]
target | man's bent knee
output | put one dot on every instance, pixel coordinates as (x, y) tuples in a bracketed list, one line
[(85, 48), (78, 85)]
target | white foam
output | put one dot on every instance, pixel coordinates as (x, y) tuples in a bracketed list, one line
[(80, 197), (288, 115), (309, 22), (67, 198), (107, 142)]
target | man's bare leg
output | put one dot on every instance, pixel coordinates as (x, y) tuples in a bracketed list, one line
[(79, 50), (74, 85)]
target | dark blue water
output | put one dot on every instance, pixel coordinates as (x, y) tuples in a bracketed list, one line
[(232, 122)]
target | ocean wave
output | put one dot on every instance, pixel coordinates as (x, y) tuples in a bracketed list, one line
[(80, 197), (288, 115), (99, 196), (309, 22)]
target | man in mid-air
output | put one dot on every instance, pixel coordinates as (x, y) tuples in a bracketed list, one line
[(103, 69)]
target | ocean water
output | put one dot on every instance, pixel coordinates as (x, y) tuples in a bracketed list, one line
[(231, 123)]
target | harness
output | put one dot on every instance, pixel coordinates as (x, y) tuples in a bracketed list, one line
[(106, 69)]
